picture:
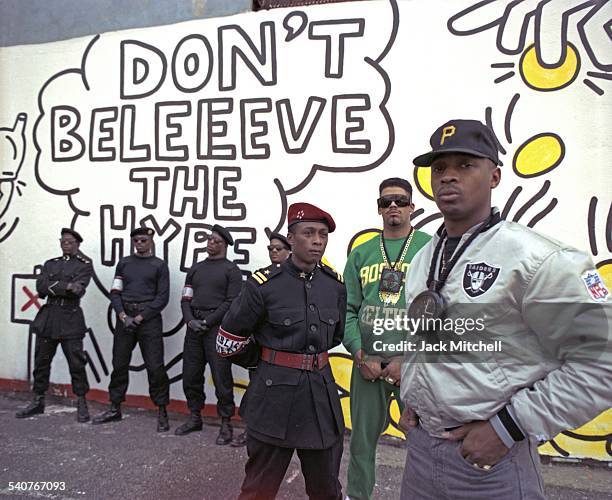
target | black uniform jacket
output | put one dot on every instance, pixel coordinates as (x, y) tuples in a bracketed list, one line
[(287, 310), (210, 287), (62, 317), (141, 280)]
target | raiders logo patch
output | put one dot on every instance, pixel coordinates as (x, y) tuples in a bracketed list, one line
[(479, 278), (595, 286)]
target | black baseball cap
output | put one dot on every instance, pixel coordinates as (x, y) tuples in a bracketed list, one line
[(461, 136)]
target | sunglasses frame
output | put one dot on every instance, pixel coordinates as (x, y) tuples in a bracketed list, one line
[(278, 249), (400, 200)]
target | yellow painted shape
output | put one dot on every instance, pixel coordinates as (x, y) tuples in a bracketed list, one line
[(605, 272), (577, 448), (601, 426), (362, 238), (538, 155), (422, 177), (395, 416), (342, 368), (346, 410), (545, 79)]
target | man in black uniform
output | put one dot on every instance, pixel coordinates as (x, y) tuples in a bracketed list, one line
[(139, 293), (278, 251), (60, 321), (210, 287), (295, 313)]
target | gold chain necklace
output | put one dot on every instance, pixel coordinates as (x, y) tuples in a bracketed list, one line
[(393, 297)]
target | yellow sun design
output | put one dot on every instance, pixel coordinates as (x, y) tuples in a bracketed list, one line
[(544, 79), (538, 155)]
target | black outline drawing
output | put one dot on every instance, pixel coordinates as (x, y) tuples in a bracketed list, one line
[(15, 138), (594, 14), (591, 227), (135, 61), (195, 57), (291, 33), (263, 57), (359, 23)]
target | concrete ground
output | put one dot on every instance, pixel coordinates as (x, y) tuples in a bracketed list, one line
[(128, 459)]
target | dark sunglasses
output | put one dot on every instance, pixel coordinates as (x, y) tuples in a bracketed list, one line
[(278, 248), (140, 240), (399, 199)]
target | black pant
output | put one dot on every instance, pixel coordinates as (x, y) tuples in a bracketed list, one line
[(268, 464), (197, 351), (43, 355), (149, 336)]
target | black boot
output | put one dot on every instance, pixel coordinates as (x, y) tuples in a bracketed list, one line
[(111, 415), (163, 424), (34, 408), (193, 424), (239, 440), (82, 410), (225, 434)]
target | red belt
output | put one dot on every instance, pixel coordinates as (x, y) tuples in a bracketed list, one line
[(308, 362)]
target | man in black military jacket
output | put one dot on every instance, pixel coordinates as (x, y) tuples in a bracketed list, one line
[(210, 287), (139, 293), (295, 312), (278, 251), (60, 321)]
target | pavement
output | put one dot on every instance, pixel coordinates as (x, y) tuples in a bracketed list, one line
[(129, 459)]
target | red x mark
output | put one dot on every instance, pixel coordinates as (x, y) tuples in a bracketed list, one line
[(33, 299)]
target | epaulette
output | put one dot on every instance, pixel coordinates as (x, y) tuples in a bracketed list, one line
[(82, 258), (57, 258), (332, 272), (264, 274)]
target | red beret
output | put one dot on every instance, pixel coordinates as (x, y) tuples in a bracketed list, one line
[(305, 212)]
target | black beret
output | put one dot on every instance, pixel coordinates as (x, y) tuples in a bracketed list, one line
[(281, 238), (77, 236), (224, 233), (147, 231)]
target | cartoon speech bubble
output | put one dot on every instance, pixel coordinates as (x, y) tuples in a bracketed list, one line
[(213, 121)]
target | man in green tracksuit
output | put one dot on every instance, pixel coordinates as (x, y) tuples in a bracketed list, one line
[(375, 275)]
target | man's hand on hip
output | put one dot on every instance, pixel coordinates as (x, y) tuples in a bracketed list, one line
[(409, 419), (481, 445)]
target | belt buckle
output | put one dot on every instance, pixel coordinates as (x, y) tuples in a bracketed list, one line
[(305, 363), (315, 361)]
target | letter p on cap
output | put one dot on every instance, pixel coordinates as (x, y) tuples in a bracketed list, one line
[(447, 132)]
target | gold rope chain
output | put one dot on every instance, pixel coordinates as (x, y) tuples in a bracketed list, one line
[(387, 297), (401, 259)]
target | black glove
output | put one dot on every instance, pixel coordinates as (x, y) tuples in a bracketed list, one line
[(198, 325), (130, 323), (75, 287)]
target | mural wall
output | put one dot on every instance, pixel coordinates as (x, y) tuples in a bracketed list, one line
[(230, 120)]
